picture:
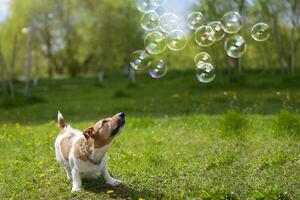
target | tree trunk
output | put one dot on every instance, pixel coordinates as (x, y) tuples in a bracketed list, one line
[(101, 76), (2, 73), (28, 62), (132, 76)]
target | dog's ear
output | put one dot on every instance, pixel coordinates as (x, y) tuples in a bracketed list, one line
[(88, 132)]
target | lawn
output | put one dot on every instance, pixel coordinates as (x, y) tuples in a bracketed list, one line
[(183, 140)]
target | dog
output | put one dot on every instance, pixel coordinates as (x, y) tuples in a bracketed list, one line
[(84, 154)]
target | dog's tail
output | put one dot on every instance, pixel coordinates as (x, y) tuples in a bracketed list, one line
[(61, 120)]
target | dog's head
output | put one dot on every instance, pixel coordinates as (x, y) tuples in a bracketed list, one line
[(105, 130)]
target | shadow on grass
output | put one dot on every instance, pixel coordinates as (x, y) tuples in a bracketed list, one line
[(123, 191)]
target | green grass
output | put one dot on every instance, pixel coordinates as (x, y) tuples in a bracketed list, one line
[(180, 142)]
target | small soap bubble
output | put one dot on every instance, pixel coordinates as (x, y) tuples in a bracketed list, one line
[(158, 68), (168, 22), (205, 36), (232, 22), (235, 46), (176, 40), (148, 5), (140, 60), (150, 21), (201, 58), (260, 32), (218, 29), (205, 73), (155, 43), (195, 20)]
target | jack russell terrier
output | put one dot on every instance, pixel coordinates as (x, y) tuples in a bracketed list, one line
[(84, 154)]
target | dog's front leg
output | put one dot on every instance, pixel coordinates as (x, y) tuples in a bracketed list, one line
[(109, 180), (76, 180)]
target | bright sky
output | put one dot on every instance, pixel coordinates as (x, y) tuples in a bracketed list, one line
[(4, 9)]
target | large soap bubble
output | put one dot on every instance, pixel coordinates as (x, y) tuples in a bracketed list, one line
[(155, 43), (176, 40), (195, 20), (148, 5), (168, 22), (235, 46), (140, 60), (232, 22), (205, 72), (205, 36), (260, 32), (218, 29), (150, 21), (201, 58), (158, 68)]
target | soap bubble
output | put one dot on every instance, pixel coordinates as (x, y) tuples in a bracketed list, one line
[(148, 5), (150, 21), (168, 22), (176, 40), (205, 36), (158, 68), (205, 72), (195, 20), (140, 60), (232, 22), (235, 46), (201, 58), (218, 29), (260, 32), (155, 43)]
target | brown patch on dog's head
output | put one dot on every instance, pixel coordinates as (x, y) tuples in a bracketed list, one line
[(105, 130)]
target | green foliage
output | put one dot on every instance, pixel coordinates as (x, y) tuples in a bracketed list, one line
[(287, 123), (272, 194), (233, 122)]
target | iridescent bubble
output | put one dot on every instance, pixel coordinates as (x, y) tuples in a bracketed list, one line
[(218, 29), (168, 22), (205, 72), (205, 36), (201, 58), (158, 68), (235, 46), (150, 21), (232, 22), (260, 32), (195, 20), (140, 60), (176, 40), (148, 5), (155, 43)]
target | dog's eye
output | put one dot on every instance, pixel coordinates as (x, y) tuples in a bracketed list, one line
[(104, 122)]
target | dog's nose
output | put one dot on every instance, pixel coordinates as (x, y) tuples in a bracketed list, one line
[(122, 115)]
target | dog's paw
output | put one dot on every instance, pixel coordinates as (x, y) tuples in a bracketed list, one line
[(75, 189), (114, 182)]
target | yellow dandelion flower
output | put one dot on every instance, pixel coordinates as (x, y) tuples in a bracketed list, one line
[(141, 198), (17, 161), (18, 125), (41, 162), (109, 191), (42, 175)]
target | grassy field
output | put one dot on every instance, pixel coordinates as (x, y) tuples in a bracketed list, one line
[(183, 140)]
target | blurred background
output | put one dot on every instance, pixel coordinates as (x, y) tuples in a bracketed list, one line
[(89, 43)]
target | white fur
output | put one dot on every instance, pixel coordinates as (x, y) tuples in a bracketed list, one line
[(76, 168)]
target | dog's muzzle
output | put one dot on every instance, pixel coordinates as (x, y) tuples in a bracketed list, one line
[(121, 123)]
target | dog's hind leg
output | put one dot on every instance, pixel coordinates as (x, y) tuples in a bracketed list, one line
[(68, 170)]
